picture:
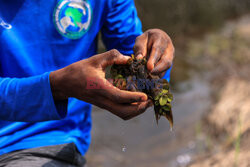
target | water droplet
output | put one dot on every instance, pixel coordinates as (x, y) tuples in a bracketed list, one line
[(171, 129), (124, 149), (183, 160)]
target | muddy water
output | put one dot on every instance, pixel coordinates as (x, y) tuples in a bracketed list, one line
[(140, 142)]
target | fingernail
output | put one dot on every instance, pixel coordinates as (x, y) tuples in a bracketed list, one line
[(139, 56), (144, 98)]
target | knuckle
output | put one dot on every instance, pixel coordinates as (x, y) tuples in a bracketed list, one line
[(95, 61), (114, 53), (164, 40), (161, 49), (152, 31), (155, 36)]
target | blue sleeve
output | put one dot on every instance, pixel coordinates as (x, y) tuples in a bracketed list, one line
[(121, 26), (29, 100)]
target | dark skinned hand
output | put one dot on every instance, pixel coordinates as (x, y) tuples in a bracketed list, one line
[(158, 48), (71, 81)]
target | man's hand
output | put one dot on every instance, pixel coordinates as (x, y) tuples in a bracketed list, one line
[(158, 48), (71, 81)]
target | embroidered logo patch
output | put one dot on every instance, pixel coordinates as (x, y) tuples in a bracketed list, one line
[(4, 24), (72, 18)]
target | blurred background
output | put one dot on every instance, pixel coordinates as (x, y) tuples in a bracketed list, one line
[(210, 82)]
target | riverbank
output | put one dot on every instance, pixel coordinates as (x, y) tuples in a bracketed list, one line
[(227, 121)]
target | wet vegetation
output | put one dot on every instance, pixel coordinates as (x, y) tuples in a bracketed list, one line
[(134, 76)]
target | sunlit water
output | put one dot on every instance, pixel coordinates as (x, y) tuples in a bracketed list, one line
[(141, 142)]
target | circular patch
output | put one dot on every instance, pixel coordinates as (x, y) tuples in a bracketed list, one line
[(72, 18)]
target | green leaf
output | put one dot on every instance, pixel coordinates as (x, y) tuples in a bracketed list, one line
[(160, 111), (169, 100), (163, 100), (164, 91), (157, 97), (166, 108), (119, 76), (165, 84), (169, 105), (170, 96)]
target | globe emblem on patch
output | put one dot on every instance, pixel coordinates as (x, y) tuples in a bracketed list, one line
[(72, 18)]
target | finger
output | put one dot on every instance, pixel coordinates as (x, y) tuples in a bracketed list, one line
[(151, 103), (162, 65), (140, 108), (157, 50), (112, 57), (140, 47), (165, 62), (121, 96), (124, 111)]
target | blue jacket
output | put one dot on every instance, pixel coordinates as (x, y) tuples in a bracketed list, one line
[(45, 36)]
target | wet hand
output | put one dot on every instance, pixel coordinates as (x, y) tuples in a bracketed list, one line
[(72, 81), (158, 48)]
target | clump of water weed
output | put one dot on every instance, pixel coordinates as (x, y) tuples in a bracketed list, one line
[(134, 76)]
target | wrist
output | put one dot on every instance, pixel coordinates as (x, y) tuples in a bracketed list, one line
[(56, 84)]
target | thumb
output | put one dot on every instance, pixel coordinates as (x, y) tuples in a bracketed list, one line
[(112, 57)]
